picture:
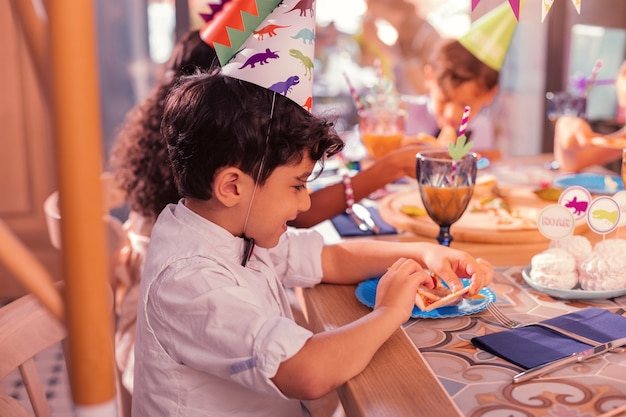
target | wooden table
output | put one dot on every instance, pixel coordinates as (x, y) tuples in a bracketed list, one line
[(399, 381)]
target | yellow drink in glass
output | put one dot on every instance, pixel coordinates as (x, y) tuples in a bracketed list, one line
[(380, 144), (382, 130)]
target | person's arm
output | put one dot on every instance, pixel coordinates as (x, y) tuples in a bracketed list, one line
[(572, 145), (330, 201), (330, 358), (350, 262)]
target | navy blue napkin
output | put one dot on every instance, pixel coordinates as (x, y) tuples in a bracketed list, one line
[(533, 345), (346, 227)]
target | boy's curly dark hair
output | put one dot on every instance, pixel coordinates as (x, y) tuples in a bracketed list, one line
[(213, 121), (139, 157)]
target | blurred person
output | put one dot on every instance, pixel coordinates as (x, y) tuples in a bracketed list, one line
[(573, 136), (455, 78), (463, 72)]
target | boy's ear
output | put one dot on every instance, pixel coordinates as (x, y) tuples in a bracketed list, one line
[(228, 186)]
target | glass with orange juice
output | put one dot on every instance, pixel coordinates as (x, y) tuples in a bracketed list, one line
[(382, 130)]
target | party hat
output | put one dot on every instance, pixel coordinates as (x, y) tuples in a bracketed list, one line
[(489, 37), (270, 43)]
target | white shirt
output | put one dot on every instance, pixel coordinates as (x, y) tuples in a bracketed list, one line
[(211, 333)]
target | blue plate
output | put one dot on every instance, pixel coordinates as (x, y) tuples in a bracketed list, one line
[(594, 183), (366, 293), (483, 163)]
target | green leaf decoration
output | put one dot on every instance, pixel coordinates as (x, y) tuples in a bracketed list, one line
[(460, 148)]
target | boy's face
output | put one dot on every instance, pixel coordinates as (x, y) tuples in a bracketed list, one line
[(279, 200), (448, 106)]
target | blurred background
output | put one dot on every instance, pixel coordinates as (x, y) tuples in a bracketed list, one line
[(135, 37)]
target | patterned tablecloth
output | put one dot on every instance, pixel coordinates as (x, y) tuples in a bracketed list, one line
[(480, 383)]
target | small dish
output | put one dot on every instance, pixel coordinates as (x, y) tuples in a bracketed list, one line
[(366, 293), (575, 294), (483, 162), (594, 183)]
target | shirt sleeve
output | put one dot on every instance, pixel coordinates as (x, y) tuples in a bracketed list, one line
[(297, 258), (207, 321)]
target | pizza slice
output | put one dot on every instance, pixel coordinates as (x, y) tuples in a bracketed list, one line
[(428, 299)]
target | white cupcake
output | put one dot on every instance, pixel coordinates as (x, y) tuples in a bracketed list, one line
[(615, 246), (578, 246), (554, 268), (605, 267)]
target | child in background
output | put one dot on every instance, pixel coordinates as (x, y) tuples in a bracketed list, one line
[(454, 79), (573, 148), (463, 72), (215, 335)]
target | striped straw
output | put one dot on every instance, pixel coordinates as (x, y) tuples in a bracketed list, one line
[(464, 120), (592, 78), (355, 96)]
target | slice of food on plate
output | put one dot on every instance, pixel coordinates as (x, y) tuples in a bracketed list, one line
[(428, 299)]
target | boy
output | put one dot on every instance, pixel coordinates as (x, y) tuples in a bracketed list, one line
[(464, 72), (454, 78), (215, 334)]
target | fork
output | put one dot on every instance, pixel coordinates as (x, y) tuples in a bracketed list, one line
[(513, 324)]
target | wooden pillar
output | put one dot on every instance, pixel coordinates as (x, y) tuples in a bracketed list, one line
[(76, 115)]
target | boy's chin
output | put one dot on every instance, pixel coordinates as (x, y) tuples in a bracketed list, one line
[(267, 243)]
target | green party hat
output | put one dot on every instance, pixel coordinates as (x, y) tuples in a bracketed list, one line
[(489, 37)]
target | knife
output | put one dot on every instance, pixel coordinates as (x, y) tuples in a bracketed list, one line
[(357, 220), (366, 217), (573, 358)]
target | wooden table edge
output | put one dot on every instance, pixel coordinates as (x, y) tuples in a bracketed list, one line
[(397, 382)]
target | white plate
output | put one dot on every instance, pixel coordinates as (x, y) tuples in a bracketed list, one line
[(366, 293), (571, 294)]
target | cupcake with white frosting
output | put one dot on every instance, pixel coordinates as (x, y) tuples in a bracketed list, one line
[(605, 267), (554, 268)]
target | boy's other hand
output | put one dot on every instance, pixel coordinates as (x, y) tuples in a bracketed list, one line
[(398, 286)]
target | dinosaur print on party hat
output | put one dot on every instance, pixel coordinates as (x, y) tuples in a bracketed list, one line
[(270, 43)]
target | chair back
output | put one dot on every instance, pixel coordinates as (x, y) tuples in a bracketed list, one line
[(26, 329), (112, 198)]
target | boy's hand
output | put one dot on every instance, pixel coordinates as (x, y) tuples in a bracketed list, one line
[(397, 288), (450, 264)]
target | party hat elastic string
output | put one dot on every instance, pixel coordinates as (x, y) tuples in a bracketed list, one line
[(250, 246)]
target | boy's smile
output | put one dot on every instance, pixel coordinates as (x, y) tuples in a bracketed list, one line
[(279, 200)]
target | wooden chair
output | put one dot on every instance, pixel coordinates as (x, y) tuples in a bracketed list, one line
[(26, 329), (116, 235), (112, 198)]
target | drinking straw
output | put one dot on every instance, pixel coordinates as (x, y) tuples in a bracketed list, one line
[(464, 120), (592, 78), (459, 149), (580, 82), (355, 96)]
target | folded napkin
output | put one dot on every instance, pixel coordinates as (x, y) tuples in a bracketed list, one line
[(533, 345), (346, 227)]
